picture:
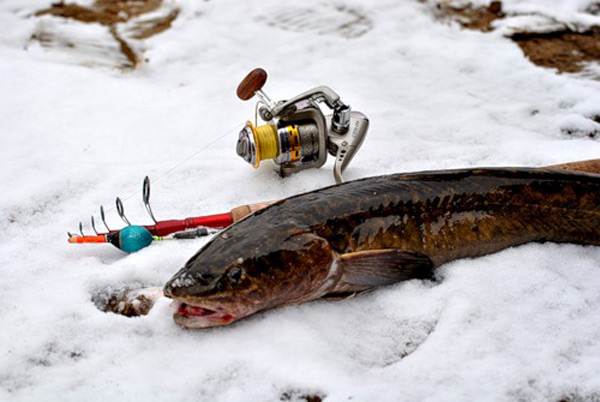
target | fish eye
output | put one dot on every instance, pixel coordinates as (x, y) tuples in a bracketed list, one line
[(235, 274)]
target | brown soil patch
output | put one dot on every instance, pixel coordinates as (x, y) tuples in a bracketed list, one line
[(128, 308), (112, 12), (125, 302), (471, 17), (565, 50), (148, 28), (127, 51), (105, 12), (299, 396)]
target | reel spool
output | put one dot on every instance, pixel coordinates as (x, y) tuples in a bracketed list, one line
[(298, 135), (287, 144)]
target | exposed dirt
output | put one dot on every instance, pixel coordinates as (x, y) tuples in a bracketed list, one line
[(154, 26), (128, 308), (110, 13), (565, 50), (127, 302), (127, 51), (105, 12), (471, 17), (299, 396)]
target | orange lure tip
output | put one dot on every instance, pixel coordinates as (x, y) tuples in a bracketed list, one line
[(89, 239)]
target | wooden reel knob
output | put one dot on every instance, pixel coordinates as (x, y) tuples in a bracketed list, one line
[(254, 81)]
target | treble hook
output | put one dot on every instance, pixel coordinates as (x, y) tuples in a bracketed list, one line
[(81, 229), (146, 197), (121, 211), (103, 217)]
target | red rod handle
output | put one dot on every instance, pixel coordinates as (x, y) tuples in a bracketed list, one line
[(213, 221), (164, 228)]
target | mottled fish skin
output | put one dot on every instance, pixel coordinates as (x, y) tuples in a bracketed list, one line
[(289, 252)]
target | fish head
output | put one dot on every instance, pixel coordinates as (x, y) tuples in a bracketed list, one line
[(235, 276)]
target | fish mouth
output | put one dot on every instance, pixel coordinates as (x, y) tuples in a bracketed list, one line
[(194, 316)]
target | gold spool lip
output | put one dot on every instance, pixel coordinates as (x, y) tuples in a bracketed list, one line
[(295, 143), (252, 128)]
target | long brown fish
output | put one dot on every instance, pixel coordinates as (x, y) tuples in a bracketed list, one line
[(377, 231)]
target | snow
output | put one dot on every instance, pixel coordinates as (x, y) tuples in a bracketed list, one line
[(521, 324), (570, 13)]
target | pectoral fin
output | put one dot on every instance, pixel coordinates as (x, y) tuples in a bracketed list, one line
[(367, 269)]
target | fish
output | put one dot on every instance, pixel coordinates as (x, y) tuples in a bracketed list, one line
[(354, 237)]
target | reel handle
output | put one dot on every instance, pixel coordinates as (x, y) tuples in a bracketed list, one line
[(253, 82)]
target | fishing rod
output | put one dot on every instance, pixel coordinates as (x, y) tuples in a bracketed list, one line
[(133, 238), (297, 135)]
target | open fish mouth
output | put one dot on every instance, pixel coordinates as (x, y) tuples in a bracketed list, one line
[(191, 316)]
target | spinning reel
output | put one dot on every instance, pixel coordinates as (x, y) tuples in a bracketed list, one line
[(298, 135)]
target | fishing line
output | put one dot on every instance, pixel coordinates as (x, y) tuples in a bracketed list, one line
[(298, 136), (234, 129)]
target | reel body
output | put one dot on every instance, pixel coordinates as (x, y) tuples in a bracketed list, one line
[(298, 135)]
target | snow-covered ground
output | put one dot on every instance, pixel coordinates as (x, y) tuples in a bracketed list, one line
[(522, 324)]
